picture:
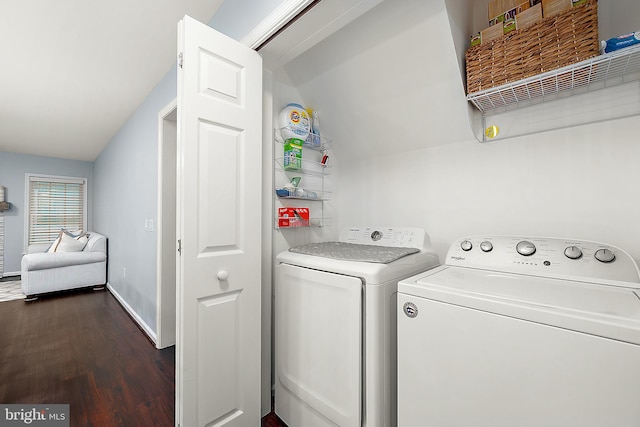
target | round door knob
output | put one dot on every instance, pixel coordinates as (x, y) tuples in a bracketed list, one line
[(466, 245), (486, 246), (223, 275), (526, 248), (605, 255), (572, 252)]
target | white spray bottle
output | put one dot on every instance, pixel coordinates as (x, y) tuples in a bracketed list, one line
[(315, 125)]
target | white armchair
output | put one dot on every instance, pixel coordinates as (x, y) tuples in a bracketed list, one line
[(44, 272)]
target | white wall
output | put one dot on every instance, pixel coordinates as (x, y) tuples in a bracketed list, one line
[(577, 183), (126, 187), (386, 83), (398, 62)]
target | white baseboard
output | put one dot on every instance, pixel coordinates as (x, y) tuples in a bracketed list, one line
[(11, 273), (145, 328)]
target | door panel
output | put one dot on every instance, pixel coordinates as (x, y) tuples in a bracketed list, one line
[(221, 78), (218, 348), (219, 210), (218, 159)]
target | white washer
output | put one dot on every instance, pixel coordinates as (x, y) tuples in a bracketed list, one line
[(521, 332), (334, 324)]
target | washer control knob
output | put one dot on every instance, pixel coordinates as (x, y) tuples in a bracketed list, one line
[(605, 255), (466, 245), (486, 246), (526, 248), (572, 252)]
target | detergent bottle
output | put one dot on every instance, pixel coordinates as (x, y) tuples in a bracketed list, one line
[(620, 42), (295, 123)]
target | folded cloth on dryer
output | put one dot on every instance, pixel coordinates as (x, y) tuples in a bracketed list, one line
[(354, 251)]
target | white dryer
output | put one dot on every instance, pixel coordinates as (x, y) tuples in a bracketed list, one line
[(523, 332), (334, 321)]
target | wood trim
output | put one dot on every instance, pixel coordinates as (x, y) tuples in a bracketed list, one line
[(132, 313), (164, 114), (277, 20)]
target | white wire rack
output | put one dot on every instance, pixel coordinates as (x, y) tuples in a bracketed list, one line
[(606, 70)]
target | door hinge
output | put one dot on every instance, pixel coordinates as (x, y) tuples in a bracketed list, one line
[(180, 246), (180, 59)]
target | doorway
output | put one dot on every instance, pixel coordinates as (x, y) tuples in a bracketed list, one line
[(166, 265), (328, 21)]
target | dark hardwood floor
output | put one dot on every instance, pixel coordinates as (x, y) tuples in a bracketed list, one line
[(83, 349)]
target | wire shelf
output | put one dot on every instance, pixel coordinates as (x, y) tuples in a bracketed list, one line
[(303, 194), (606, 70), (314, 141), (308, 167), (292, 224)]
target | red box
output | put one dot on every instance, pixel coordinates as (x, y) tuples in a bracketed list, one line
[(293, 217)]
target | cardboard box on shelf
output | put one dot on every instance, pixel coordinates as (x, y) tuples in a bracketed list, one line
[(525, 53), (519, 16), (529, 17), (492, 33), (498, 7), (496, 20), (476, 39), (555, 7), (508, 17), (293, 154), (293, 217), (509, 25)]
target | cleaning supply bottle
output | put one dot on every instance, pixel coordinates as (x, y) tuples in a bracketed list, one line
[(315, 128), (620, 42), (295, 122)]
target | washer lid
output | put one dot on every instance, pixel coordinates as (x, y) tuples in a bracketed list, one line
[(607, 311)]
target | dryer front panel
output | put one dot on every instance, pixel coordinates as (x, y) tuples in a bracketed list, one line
[(318, 347)]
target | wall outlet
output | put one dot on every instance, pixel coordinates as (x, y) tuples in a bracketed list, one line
[(124, 272)]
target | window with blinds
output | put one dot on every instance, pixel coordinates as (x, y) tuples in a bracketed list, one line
[(55, 203)]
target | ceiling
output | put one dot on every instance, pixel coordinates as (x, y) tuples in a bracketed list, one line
[(74, 71)]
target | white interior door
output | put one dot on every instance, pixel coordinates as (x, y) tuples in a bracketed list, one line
[(219, 210)]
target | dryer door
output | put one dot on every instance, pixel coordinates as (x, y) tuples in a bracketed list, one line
[(318, 347)]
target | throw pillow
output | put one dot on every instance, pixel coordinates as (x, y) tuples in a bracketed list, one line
[(74, 233), (68, 243), (56, 242)]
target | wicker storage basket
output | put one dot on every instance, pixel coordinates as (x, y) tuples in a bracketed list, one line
[(550, 44)]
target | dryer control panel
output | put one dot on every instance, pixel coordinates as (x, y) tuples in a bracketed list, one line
[(545, 257), (399, 237)]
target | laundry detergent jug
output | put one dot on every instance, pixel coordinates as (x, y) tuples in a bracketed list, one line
[(294, 122)]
